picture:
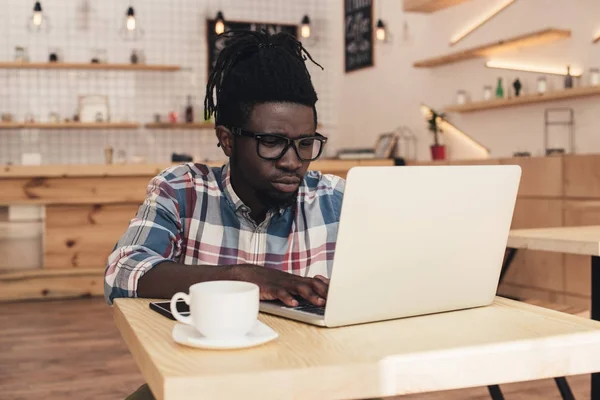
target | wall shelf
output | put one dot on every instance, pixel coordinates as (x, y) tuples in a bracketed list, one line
[(429, 6), (88, 66), (526, 99), (530, 39), (182, 125), (69, 125)]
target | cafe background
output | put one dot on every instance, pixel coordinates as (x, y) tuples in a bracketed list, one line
[(60, 219), (174, 34)]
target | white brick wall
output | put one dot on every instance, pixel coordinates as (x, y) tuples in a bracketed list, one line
[(174, 34)]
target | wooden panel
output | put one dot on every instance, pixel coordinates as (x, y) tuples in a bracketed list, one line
[(73, 190), (525, 100), (168, 125), (20, 245), (71, 125), (489, 161), (10, 125), (581, 176), (51, 284), (88, 66), (564, 308), (540, 176), (530, 39), (81, 170), (429, 6), (578, 301), (537, 213), (150, 170), (578, 279), (521, 292), (415, 163), (536, 269), (83, 236)]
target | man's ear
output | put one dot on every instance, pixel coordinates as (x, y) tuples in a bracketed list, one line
[(225, 138)]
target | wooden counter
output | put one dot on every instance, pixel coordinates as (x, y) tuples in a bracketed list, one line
[(555, 191), (87, 208)]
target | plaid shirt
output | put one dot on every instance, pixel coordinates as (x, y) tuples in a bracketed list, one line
[(191, 215)]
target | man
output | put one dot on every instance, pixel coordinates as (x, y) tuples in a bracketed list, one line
[(261, 217)]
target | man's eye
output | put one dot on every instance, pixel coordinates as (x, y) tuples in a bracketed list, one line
[(270, 141), (307, 142)]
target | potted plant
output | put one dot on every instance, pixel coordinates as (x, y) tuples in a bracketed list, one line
[(438, 151)]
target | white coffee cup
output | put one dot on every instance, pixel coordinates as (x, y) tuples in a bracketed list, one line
[(220, 309)]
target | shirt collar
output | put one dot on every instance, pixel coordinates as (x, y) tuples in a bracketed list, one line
[(234, 199), (230, 194)]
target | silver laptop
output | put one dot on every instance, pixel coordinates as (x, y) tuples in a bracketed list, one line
[(414, 241)]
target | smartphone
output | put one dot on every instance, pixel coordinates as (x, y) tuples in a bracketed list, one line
[(164, 308)]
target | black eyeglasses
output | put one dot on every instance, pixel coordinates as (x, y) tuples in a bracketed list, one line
[(270, 146)]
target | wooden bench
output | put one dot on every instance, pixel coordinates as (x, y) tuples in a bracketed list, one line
[(565, 308)]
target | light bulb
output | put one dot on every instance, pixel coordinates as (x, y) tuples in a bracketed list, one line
[(380, 32), (130, 28), (37, 22), (305, 30), (37, 18), (130, 23), (220, 24), (130, 19)]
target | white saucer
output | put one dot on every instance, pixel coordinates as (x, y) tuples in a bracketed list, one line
[(187, 335)]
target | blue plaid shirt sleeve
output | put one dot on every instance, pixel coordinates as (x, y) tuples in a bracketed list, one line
[(153, 237)]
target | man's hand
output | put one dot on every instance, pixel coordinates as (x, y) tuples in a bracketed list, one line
[(278, 285)]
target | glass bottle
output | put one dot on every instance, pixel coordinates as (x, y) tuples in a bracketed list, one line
[(568, 78), (499, 89), (189, 111)]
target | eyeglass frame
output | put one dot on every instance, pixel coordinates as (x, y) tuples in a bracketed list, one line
[(290, 142)]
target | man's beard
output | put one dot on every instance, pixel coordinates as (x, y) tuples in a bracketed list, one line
[(277, 200), (271, 199)]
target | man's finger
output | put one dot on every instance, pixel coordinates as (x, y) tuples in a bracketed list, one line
[(322, 279), (286, 297), (320, 286), (306, 291)]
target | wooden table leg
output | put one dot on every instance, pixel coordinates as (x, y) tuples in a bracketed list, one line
[(595, 314)]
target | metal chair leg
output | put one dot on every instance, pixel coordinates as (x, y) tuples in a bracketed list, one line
[(565, 389), (495, 392)]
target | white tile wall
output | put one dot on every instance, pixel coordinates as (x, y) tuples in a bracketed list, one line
[(174, 33)]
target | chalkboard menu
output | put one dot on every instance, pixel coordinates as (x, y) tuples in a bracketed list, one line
[(216, 43), (358, 44)]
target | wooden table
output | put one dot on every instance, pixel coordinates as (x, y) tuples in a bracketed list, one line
[(506, 342), (582, 240)]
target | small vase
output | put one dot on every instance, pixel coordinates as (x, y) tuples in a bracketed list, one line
[(438, 152)]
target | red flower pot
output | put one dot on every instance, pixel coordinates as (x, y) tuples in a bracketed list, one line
[(438, 152)]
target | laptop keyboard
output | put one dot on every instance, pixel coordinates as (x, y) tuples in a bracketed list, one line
[(303, 305)]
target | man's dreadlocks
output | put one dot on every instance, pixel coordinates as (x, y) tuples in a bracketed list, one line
[(255, 68)]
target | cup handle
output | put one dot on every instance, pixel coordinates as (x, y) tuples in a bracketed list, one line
[(185, 297)]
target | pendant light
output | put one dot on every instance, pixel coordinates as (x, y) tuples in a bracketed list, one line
[(305, 27), (380, 31), (37, 22), (130, 27), (220, 23), (130, 19)]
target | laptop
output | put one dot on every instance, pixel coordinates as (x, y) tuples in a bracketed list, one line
[(414, 241)]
